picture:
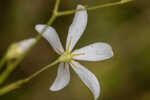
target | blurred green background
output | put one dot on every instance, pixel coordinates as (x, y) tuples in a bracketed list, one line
[(126, 28)]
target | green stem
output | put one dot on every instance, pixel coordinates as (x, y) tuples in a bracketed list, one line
[(69, 12), (6, 73), (50, 21), (10, 68), (56, 7), (11, 87), (2, 62), (17, 84), (41, 70)]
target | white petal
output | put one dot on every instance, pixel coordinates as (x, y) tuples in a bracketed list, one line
[(62, 79), (77, 27), (51, 35), (87, 77), (94, 52), (25, 45)]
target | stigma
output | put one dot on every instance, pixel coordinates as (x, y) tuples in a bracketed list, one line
[(66, 57)]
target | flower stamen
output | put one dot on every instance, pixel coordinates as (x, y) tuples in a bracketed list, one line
[(59, 51), (69, 44), (65, 57), (77, 54), (73, 64)]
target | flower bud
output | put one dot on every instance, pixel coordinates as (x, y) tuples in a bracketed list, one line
[(17, 49)]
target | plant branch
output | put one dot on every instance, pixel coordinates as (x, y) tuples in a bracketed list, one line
[(69, 12), (6, 73), (17, 84), (2, 62)]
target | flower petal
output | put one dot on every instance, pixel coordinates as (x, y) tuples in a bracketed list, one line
[(25, 44), (87, 77), (77, 28), (62, 79), (51, 35), (94, 52)]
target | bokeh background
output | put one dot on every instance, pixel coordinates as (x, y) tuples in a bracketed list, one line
[(126, 28)]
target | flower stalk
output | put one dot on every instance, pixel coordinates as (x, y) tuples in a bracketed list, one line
[(69, 12), (2, 62), (17, 84)]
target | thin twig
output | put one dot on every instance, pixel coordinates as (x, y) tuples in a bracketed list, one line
[(69, 12), (17, 84), (2, 62)]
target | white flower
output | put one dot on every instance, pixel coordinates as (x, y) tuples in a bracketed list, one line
[(94, 52), (17, 49)]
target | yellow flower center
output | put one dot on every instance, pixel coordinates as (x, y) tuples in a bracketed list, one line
[(66, 57)]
